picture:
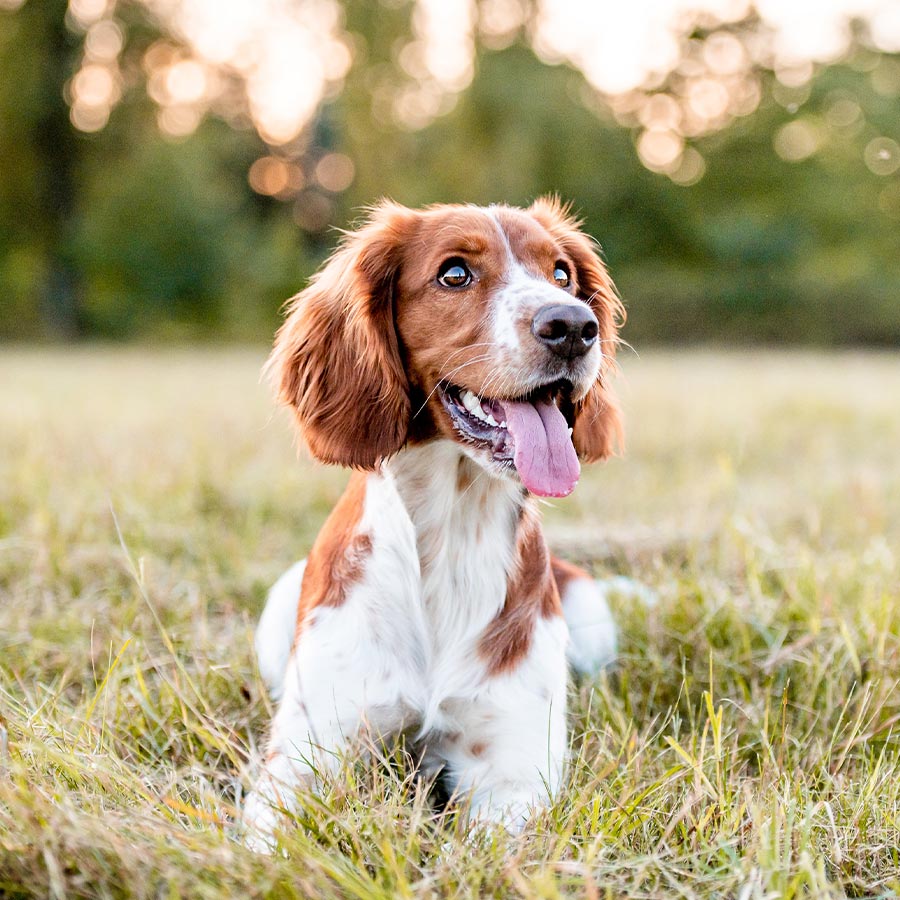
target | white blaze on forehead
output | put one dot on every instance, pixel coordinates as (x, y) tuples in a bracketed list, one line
[(523, 293), (519, 290)]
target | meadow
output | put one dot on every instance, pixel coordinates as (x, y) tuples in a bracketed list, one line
[(745, 743)]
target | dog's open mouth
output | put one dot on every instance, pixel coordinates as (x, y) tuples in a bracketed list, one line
[(533, 433)]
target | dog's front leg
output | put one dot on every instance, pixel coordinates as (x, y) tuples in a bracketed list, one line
[(340, 684), (506, 750)]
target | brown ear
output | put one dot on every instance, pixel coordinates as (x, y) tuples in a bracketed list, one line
[(598, 421), (336, 359)]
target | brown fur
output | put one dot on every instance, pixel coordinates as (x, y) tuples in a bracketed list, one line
[(530, 592), (337, 559), (337, 360), (374, 329), (564, 573)]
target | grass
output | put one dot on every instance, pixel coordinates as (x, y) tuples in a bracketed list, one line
[(744, 745)]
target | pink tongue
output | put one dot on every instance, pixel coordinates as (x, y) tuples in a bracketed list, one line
[(545, 457)]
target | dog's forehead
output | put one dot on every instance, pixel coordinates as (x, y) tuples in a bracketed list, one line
[(498, 230), (524, 235)]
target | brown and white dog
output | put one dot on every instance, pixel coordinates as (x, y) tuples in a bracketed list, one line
[(458, 358)]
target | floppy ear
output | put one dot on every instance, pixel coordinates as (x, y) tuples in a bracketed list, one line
[(598, 422), (336, 359)]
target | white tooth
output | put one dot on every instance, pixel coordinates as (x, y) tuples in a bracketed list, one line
[(470, 401), (503, 424), (491, 420)]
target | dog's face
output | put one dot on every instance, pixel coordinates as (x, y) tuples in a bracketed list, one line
[(492, 327)]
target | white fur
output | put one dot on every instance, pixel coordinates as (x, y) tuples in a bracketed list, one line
[(275, 632), (402, 651), (592, 641), (463, 585), (592, 631), (522, 295)]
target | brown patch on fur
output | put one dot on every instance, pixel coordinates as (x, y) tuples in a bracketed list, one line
[(465, 476), (530, 592), (479, 748), (337, 559), (446, 333), (565, 572)]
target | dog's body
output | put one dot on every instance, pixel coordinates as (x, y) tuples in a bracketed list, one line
[(457, 356)]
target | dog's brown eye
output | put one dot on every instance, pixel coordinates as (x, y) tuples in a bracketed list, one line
[(561, 275), (454, 273)]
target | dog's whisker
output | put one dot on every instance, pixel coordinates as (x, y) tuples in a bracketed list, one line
[(464, 349), (449, 375)]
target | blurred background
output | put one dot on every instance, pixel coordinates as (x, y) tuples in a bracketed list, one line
[(173, 170)]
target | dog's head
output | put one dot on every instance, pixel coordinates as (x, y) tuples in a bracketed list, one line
[(491, 327)]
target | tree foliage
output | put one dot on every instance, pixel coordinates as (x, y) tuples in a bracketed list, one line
[(129, 232)]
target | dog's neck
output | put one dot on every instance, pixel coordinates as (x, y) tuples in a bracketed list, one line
[(446, 493), (465, 522)]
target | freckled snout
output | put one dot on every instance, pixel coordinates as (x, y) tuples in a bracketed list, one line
[(568, 330)]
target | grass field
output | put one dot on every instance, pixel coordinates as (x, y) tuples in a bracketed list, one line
[(744, 745)]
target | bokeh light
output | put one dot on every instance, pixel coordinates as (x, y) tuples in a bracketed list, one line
[(798, 140), (273, 176), (882, 156), (844, 112), (660, 150), (287, 56), (673, 71), (87, 12), (335, 172), (104, 41), (690, 169)]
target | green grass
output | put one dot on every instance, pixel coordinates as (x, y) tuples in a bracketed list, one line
[(744, 745)]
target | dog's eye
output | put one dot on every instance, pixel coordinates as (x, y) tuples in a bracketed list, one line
[(454, 273), (561, 275)]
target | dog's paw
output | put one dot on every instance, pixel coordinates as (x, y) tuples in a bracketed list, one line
[(259, 819)]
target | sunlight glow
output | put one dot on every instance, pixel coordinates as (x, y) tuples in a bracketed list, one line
[(620, 46), (440, 60), (104, 41), (273, 177), (272, 63), (335, 172), (289, 55)]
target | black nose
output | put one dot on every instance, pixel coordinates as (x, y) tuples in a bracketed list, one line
[(566, 329)]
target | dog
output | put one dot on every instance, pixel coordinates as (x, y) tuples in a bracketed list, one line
[(458, 359)]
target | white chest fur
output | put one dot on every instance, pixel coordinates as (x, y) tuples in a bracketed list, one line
[(464, 522), (404, 649)]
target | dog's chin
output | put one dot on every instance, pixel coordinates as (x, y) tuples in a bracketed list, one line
[(526, 438)]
